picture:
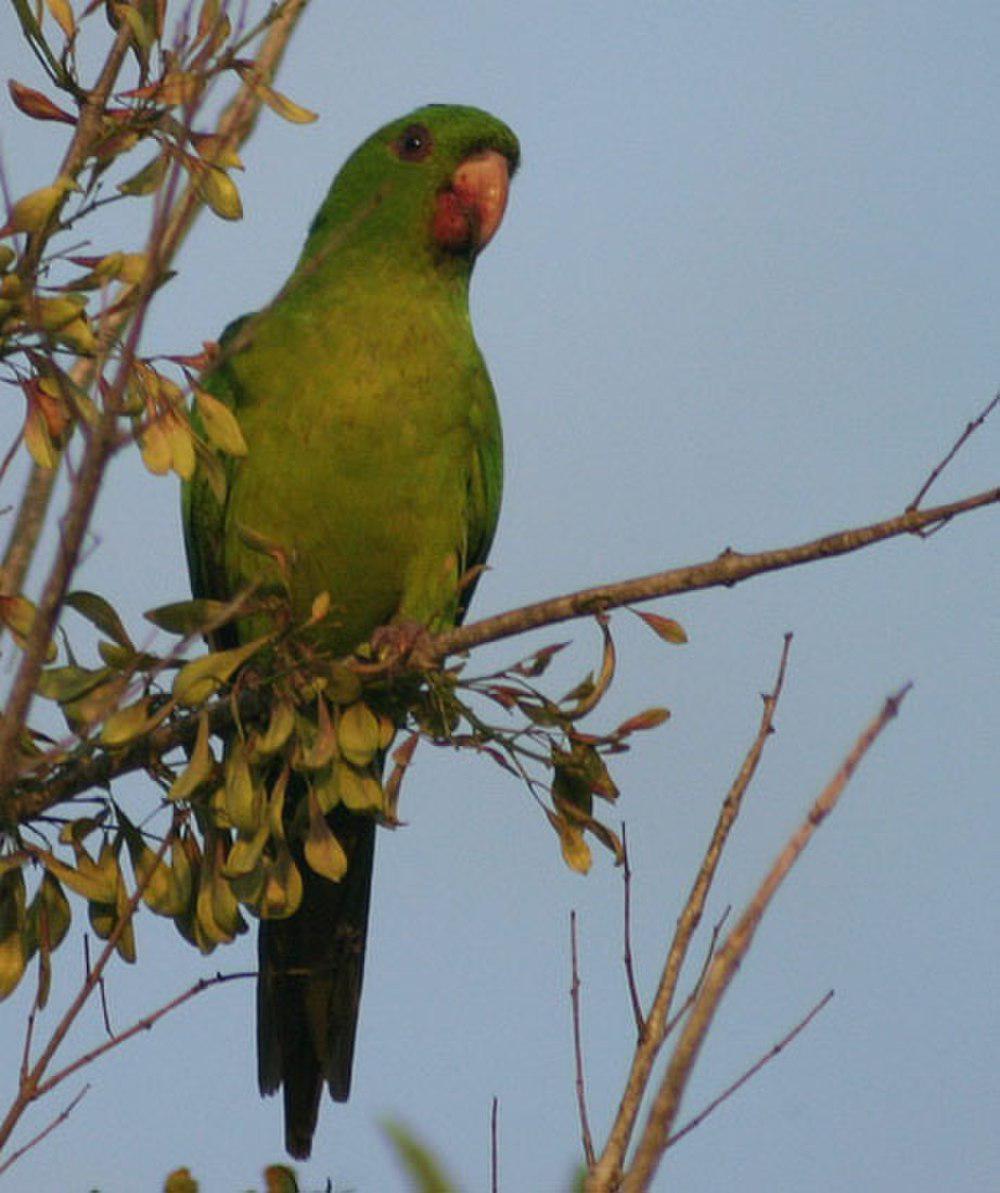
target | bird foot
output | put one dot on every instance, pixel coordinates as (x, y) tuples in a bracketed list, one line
[(404, 644)]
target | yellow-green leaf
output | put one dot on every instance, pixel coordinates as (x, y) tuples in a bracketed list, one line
[(324, 853), (188, 618), (63, 15), (221, 427), (101, 614), (155, 449), (218, 190), (279, 728), (575, 850), (13, 962), (245, 804), (358, 734), (126, 724), (32, 211), (201, 678), (146, 180), (18, 615), (199, 767)]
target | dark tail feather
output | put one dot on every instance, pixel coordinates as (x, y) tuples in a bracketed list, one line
[(309, 985)]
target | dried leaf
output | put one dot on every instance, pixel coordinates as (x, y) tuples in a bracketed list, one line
[(537, 663), (664, 627), (649, 719), (275, 100), (36, 105)]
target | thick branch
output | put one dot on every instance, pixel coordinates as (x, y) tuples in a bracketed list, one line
[(36, 793), (730, 568)]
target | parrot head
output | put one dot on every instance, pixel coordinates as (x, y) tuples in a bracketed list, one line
[(430, 184)]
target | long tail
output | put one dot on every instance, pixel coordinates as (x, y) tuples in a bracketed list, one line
[(309, 985)]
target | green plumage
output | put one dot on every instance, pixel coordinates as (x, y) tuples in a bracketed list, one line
[(374, 463)]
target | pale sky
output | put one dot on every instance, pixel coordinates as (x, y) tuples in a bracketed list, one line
[(747, 292)]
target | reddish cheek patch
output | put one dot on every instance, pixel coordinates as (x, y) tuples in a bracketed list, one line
[(452, 225)]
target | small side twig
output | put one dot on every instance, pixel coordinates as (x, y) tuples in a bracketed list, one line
[(144, 1024), (956, 447), (581, 1091), (494, 1150), (754, 1069), (100, 986), (60, 1118), (633, 989), (688, 1002)]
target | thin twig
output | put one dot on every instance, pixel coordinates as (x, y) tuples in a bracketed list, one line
[(663, 1112), (754, 1069), (60, 1118), (494, 1150), (959, 443), (581, 1092), (633, 989), (143, 1024), (688, 1002), (612, 1158)]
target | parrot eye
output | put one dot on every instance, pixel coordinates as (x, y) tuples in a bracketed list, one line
[(413, 144)]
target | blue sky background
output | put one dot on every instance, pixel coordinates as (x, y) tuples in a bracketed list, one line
[(746, 293)]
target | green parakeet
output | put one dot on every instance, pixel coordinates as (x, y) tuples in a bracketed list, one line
[(374, 465)]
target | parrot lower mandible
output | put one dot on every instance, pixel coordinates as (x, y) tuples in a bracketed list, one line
[(374, 463)]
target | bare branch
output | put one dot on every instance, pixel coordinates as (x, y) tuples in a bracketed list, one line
[(658, 1021), (663, 1112), (956, 447), (494, 1150), (143, 1024), (730, 568), (754, 1069), (581, 1092), (60, 1118), (633, 989), (31, 797)]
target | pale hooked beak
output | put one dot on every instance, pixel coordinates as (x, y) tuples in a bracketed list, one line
[(469, 212)]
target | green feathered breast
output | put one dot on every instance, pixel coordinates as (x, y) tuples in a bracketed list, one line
[(374, 469)]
